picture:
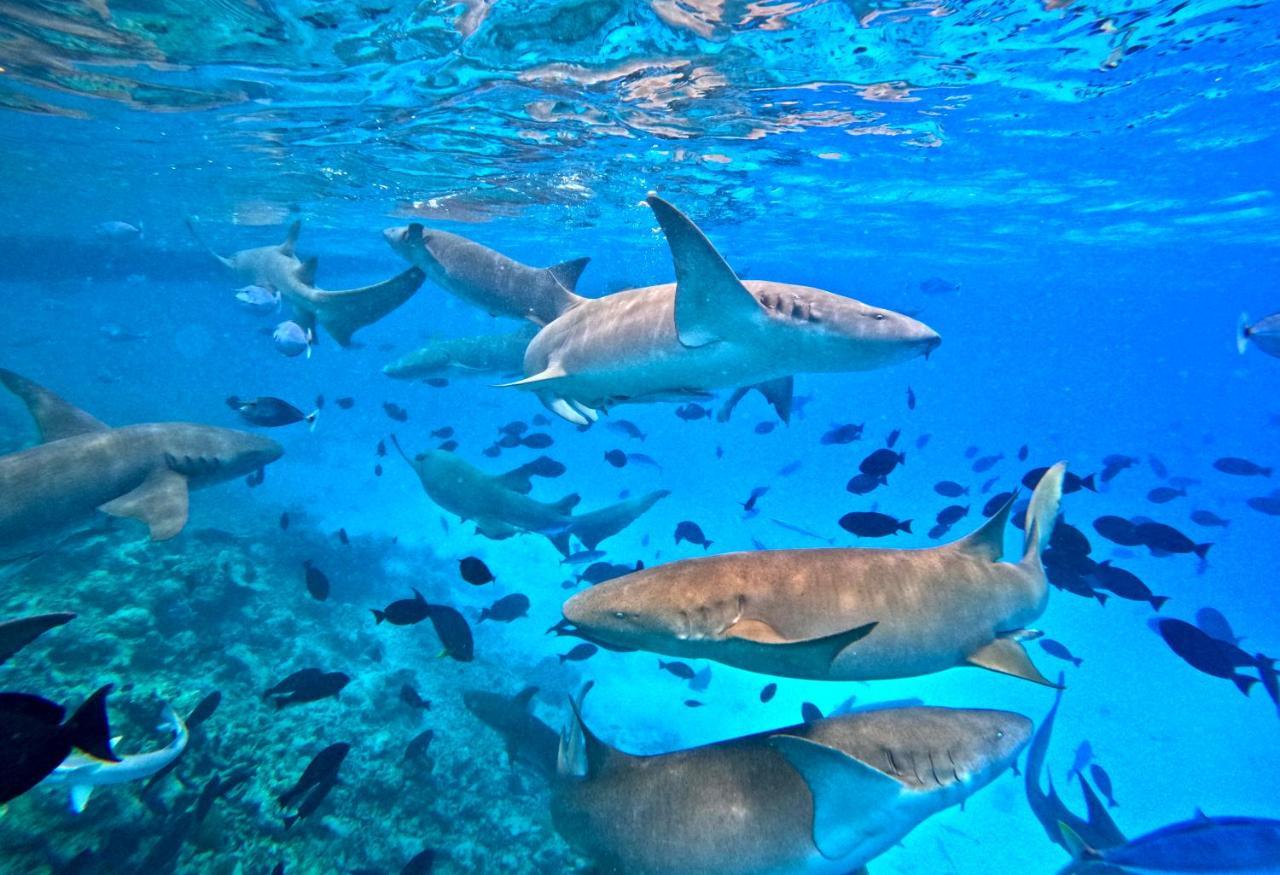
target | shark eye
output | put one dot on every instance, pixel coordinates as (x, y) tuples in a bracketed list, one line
[(999, 733), (879, 317)]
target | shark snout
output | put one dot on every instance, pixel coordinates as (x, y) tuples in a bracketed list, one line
[(930, 341)]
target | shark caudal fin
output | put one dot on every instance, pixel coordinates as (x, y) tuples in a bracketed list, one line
[(581, 753), (711, 302), (54, 417), (1042, 513), (592, 528), (195, 235), (344, 313)]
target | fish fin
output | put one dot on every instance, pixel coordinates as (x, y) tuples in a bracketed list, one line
[(1008, 656), (581, 752), (520, 479), (568, 503), (987, 540), (1042, 513), (757, 632), (710, 302), (839, 784), (560, 540), (496, 529), (306, 272), (161, 501), (89, 730), (291, 240), (592, 528), (777, 392), (551, 372), (1242, 334), (1076, 846), (80, 794), (55, 418), (525, 696), (1102, 828), (761, 632), (567, 273), (343, 313)]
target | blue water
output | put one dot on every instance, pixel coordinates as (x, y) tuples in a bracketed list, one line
[(1097, 185)]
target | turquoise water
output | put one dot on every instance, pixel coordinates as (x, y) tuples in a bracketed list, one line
[(1080, 199)]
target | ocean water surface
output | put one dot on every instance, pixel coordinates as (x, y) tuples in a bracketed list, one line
[(1079, 198)]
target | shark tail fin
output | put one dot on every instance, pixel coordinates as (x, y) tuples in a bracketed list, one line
[(195, 234), (525, 696), (581, 752), (1075, 845), (1042, 513), (344, 313), (592, 528), (89, 730), (55, 417)]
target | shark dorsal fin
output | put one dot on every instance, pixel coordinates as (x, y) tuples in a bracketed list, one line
[(710, 299), (161, 501), (55, 418), (987, 541), (525, 696), (568, 503), (839, 784), (581, 752), (566, 273), (291, 239), (307, 272)]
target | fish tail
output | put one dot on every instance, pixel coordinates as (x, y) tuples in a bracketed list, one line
[(88, 728), (1242, 333), (1201, 550), (1157, 601), (1042, 513), (1089, 483), (1243, 683), (378, 616), (905, 526)]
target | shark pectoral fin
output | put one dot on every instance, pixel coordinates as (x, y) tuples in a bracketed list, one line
[(566, 273), (345, 312), (711, 302), (306, 273), (757, 632), (840, 785), (80, 794), (55, 418), (496, 529), (160, 502), (1008, 656), (551, 372)]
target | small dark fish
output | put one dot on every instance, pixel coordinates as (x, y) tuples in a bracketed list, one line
[(1164, 494), (1268, 504), (1103, 782), (421, 863), (687, 530), (988, 483), (790, 468), (582, 651), (436, 382), (1160, 538), (377, 470), (381, 449), (475, 572), (317, 582), (1240, 467), (938, 531), (911, 399), (995, 502), (395, 411), (869, 524), (403, 612), (307, 685), (1066, 538), (508, 441), (1205, 653), (1212, 623), (515, 428), (950, 489), (768, 692), (599, 572), (692, 703), (1113, 465), (345, 403), (861, 484), (692, 412), (448, 446), (642, 459), (1084, 753), (284, 521), (539, 440), (1126, 584), (809, 712), (1158, 467), (1070, 482), (309, 805), (892, 439), (986, 463), (204, 709), (270, 412), (344, 537), (882, 462), (409, 695), (952, 514), (1058, 649), (1117, 530), (765, 427), (627, 427), (443, 433), (970, 452), (681, 670), (36, 740), (454, 633), (506, 609), (1022, 453), (756, 494), (419, 745), (616, 458), (1208, 518), (843, 434), (923, 441)]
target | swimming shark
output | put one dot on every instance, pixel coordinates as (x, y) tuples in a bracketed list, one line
[(705, 331), (140, 471), (841, 613), (822, 797), (342, 313), (499, 285), (527, 739), (82, 773), (501, 506), (464, 356), (18, 633)]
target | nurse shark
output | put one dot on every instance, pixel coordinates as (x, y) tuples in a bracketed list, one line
[(822, 797), (342, 313), (707, 330), (841, 613)]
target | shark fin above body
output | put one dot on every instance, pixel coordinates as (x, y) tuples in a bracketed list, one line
[(711, 302), (839, 784), (80, 794), (291, 240), (987, 540), (1008, 656), (581, 753), (161, 501), (55, 418), (567, 273), (344, 313)]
